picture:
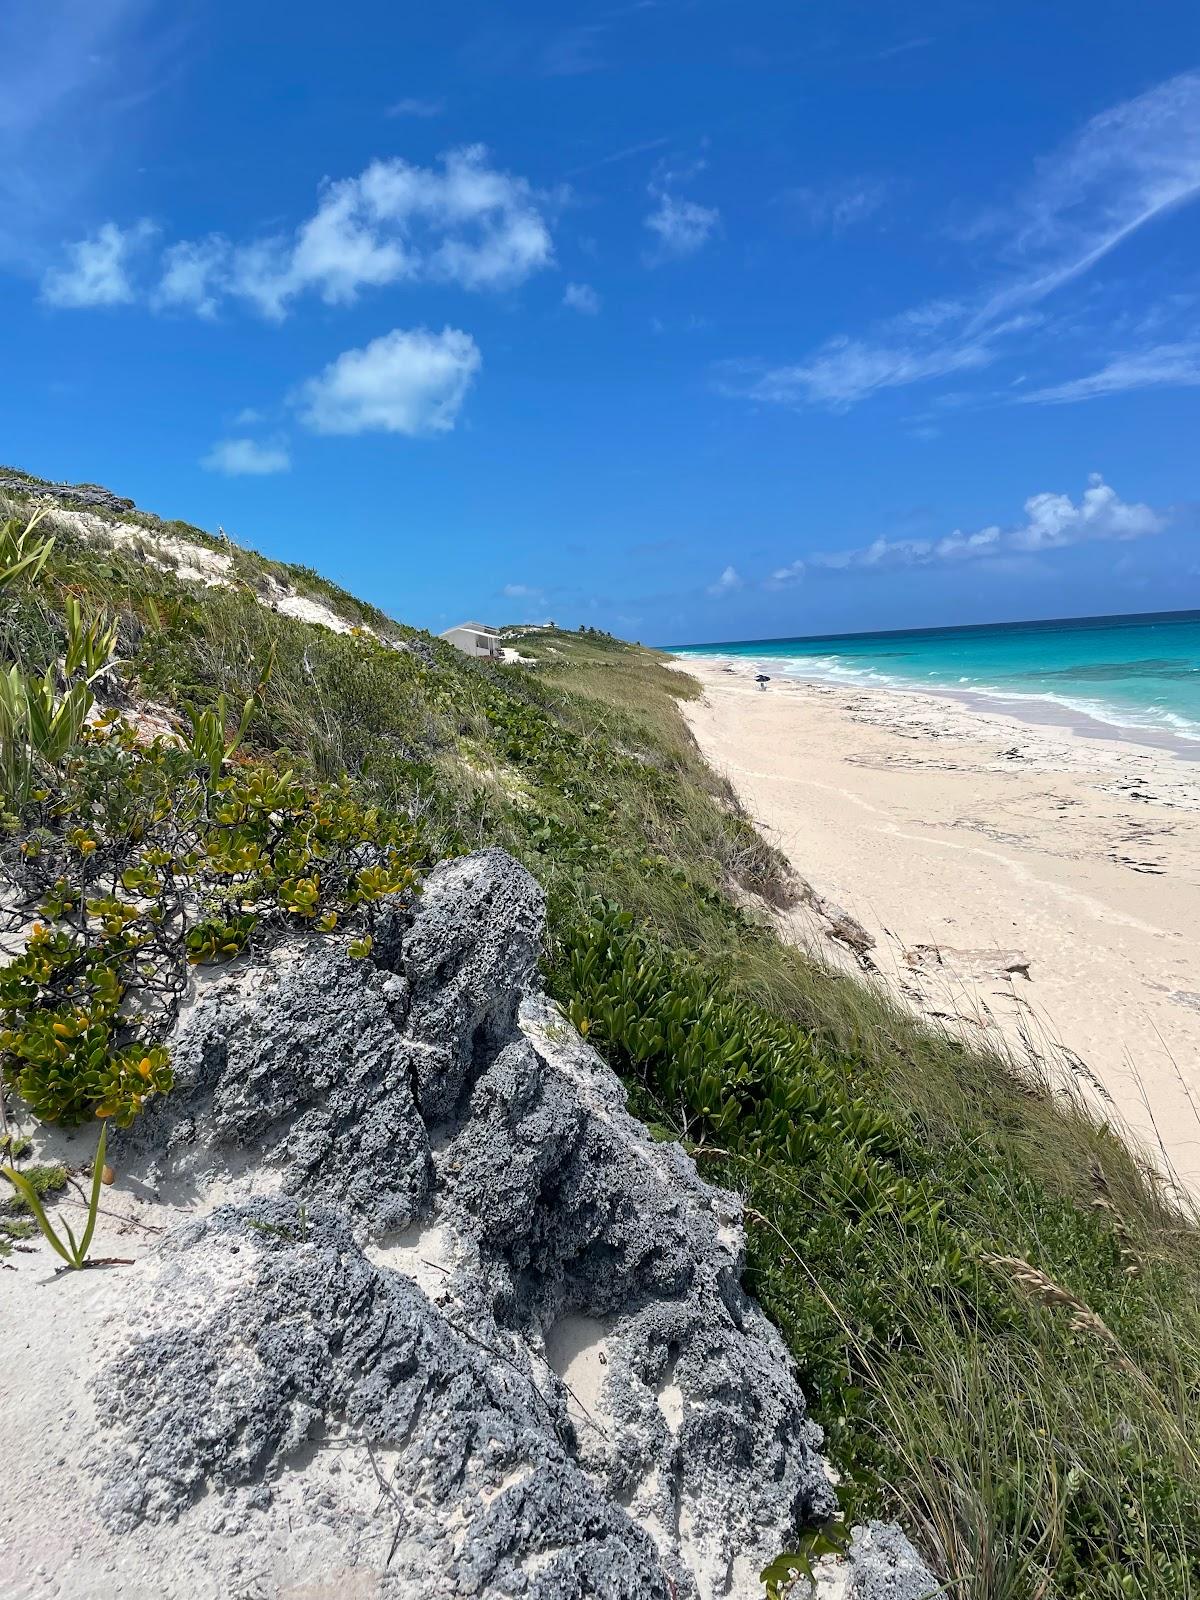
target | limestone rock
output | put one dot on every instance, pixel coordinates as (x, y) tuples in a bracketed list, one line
[(433, 1316)]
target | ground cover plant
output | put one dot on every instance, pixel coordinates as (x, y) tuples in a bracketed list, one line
[(995, 1312)]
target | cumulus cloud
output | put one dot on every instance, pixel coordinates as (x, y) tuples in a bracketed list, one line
[(681, 227), (461, 221), (97, 272), (192, 276), (726, 583), (1055, 521), (408, 381), (583, 298), (522, 591), (1052, 521), (240, 458)]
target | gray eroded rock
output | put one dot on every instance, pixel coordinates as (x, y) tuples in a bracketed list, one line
[(882, 1565), (445, 1320), (85, 494), (276, 1338)]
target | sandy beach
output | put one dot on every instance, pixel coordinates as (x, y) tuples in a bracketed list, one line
[(1019, 882)]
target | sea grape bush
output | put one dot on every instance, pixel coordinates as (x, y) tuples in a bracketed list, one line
[(842, 1194), (133, 861), (737, 1077)]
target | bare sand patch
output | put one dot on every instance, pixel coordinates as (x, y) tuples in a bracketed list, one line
[(1023, 885)]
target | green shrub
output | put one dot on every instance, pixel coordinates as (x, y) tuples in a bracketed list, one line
[(1036, 1426), (138, 859)]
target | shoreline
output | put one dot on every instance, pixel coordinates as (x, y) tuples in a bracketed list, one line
[(1027, 886), (1039, 711)]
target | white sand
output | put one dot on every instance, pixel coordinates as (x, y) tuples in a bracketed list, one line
[(988, 840)]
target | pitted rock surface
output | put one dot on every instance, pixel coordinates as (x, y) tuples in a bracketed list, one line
[(317, 1348), (444, 1320)]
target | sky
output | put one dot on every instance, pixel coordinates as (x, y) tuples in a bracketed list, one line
[(687, 319)]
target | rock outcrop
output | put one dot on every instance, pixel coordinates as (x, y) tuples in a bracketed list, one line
[(438, 1318), (79, 494)]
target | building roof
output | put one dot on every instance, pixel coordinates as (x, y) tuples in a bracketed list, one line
[(475, 627)]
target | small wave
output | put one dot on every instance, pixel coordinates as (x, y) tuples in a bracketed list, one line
[(1155, 719), (837, 669)]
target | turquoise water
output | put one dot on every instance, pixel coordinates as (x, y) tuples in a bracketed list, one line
[(1139, 674)]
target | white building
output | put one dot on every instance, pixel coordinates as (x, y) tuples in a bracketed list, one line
[(473, 639)]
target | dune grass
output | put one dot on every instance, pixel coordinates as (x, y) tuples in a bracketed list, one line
[(994, 1309)]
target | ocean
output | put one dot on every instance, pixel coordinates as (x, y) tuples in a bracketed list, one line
[(1135, 675)]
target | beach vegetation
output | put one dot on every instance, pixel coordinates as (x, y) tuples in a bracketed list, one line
[(992, 1299), (74, 1251)]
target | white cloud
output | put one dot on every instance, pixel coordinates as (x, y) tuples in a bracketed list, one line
[(836, 208), (411, 382), (416, 106), (726, 583), (80, 71), (681, 226), (464, 222), (1164, 366), (522, 591), (192, 276), (843, 371), (786, 577), (97, 273), (1052, 521), (582, 297), (238, 458), (1123, 170)]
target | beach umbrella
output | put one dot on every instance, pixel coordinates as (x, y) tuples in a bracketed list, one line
[(761, 679)]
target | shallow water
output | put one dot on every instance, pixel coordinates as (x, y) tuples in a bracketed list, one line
[(1139, 675)]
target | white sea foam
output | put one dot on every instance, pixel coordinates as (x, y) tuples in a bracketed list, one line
[(836, 669)]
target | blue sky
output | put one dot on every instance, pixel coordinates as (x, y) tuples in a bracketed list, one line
[(689, 319)]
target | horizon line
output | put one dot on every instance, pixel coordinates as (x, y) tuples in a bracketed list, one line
[(947, 627)]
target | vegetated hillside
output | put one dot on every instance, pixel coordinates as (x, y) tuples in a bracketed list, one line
[(994, 1313)]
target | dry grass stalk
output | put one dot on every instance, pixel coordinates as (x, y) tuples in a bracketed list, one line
[(1041, 1288), (1103, 1201)]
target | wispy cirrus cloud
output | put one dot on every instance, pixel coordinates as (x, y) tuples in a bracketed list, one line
[(1052, 521), (1162, 366), (834, 207), (78, 72), (1125, 169), (462, 221), (416, 106), (844, 371), (574, 51)]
